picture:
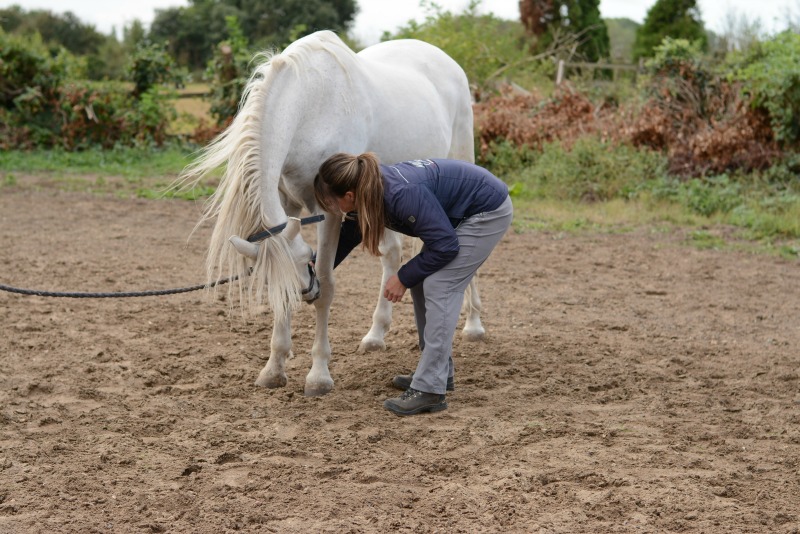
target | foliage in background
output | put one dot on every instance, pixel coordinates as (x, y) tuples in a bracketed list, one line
[(30, 80), (193, 31), (702, 122), (769, 73), (44, 102), (485, 46), (152, 66), (105, 55), (677, 19), (621, 35), (528, 121), (227, 73), (549, 19), (65, 29), (588, 170)]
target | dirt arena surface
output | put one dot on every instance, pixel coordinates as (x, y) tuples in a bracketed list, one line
[(628, 383)]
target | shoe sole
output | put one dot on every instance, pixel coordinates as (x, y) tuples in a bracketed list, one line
[(430, 408), (399, 383)]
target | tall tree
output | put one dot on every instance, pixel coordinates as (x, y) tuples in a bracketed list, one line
[(548, 19), (679, 19), (59, 29)]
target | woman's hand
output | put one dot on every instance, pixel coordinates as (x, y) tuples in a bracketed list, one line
[(394, 289)]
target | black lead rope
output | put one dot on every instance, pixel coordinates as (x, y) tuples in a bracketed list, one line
[(120, 294), (255, 238)]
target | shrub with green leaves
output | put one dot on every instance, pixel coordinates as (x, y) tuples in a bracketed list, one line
[(591, 170), (27, 66), (678, 73), (31, 75), (45, 100), (770, 73), (151, 66)]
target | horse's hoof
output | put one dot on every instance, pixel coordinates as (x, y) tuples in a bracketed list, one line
[(318, 389), (271, 381), (371, 345), (473, 334)]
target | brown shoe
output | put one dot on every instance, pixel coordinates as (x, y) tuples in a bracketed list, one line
[(404, 382), (412, 402)]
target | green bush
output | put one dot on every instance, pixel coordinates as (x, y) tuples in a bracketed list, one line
[(152, 66), (678, 74), (717, 194), (703, 196), (504, 158), (770, 73), (45, 103), (30, 71), (590, 170)]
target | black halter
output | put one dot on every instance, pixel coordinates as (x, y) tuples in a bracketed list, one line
[(312, 277), (275, 230)]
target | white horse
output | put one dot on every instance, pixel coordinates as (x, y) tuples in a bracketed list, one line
[(401, 99)]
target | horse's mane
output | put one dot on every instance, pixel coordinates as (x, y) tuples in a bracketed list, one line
[(236, 205)]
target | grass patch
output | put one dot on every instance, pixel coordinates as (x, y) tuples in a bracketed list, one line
[(596, 186), (124, 162), (613, 216), (592, 188), (125, 172)]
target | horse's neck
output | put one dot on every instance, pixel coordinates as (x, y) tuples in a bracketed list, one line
[(307, 115)]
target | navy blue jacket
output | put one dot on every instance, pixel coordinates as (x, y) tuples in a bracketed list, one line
[(428, 199)]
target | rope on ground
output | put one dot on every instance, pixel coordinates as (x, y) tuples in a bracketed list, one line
[(119, 294)]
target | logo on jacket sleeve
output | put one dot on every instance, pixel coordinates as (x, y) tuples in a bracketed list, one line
[(420, 162)]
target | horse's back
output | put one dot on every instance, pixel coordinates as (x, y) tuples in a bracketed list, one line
[(422, 96)]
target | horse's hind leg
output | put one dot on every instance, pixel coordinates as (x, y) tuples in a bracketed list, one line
[(473, 329), (463, 148), (391, 249)]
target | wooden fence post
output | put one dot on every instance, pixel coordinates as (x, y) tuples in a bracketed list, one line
[(560, 72)]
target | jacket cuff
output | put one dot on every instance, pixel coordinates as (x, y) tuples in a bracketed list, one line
[(402, 276)]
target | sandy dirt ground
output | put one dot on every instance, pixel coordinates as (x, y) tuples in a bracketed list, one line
[(627, 383)]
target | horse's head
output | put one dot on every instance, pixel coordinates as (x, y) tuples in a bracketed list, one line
[(302, 257)]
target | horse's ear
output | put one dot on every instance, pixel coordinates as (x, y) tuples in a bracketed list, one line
[(292, 228), (245, 248)]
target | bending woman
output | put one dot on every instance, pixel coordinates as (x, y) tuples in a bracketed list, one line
[(460, 211)]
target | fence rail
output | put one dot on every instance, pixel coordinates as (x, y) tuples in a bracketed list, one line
[(614, 68)]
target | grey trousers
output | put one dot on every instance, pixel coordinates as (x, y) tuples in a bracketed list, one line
[(438, 298)]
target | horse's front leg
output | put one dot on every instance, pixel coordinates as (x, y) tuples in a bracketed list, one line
[(318, 380), (273, 375), (391, 250)]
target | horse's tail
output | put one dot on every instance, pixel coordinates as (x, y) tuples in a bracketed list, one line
[(236, 206)]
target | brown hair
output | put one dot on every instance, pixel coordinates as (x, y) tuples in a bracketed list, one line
[(361, 174)]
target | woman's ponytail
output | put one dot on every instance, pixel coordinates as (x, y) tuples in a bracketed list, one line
[(360, 174), (369, 202)]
